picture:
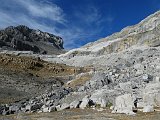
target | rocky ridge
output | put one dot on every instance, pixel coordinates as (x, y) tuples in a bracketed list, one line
[(23, 38), (145, 33)]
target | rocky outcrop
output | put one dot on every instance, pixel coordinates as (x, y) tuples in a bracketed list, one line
[(23, 38)]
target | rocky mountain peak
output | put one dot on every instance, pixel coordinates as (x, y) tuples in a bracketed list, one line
[(23, 38)]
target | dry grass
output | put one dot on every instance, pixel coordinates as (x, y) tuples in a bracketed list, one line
[(79, 81), (37, 66)]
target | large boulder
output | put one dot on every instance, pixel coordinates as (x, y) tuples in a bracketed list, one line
[(151, 94), (99, 97), (124, 104)]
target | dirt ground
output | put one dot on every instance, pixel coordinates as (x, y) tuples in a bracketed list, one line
[(82, 114)]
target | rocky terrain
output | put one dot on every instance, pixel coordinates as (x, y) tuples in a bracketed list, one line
[(23, 38), (117, 74)]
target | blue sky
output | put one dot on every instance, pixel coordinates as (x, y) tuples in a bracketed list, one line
[(76, 21)]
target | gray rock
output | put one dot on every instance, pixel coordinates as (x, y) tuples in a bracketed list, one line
[(45, 109), (126, 86), (138, 66), (52, 109), (139, 72), (23, 38), (140, 104), (81, 89), (157, 79), (98, 80), (85, 102), (34, 107), (1, 109), (75, 104), (99, 98), (14, 108), (5, 112), (147, 78), (58, 107), (151, 94), (64, 106), (124, 104)]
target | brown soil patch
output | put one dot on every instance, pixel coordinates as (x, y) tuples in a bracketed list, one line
[(82, 114), (37, 66)]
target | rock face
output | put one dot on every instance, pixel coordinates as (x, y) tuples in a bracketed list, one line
[(23, 38)]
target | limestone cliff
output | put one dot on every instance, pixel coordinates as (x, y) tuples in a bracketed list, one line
[(144, 33)]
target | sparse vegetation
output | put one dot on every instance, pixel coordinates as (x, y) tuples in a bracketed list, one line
[(79, 81), (109, 104)]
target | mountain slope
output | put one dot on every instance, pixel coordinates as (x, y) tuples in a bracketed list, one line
[(144, 33)]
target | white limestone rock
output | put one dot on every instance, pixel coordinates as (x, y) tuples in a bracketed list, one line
[(58, 107), (124, 104), (139, 72), (127, 86), (140, 104), (151, 94), (64, 106), (85, 102), (157, 79), (99, 97), (46, 109), (74, 104), (148, 108)]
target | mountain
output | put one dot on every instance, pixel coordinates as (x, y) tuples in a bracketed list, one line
[(22, 38), (116, 74), (147, 33)]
